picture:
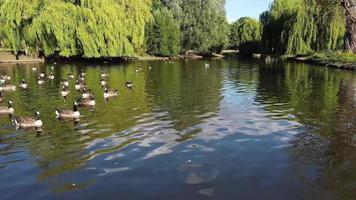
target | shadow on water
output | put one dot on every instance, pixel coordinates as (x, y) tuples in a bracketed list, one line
[(186, 131)]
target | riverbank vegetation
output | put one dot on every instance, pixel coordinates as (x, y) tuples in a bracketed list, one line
[(113, 28)]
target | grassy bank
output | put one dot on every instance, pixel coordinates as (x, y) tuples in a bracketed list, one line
[(341, 60)]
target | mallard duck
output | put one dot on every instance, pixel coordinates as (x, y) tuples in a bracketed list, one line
[(65, 92), (70, 76), (109, 94), (50, 76), (129, 85), (42, 75), (103, 82), (69, 114), (65, 83), (40, 81), (7, 88), (87, 102), (7, 109), (86, 93), (104, 75), (23, 84), (28, 122)]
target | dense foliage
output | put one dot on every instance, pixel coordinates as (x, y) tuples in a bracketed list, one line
[(163, 34), (245, 35), (88, 28), (302, 26)]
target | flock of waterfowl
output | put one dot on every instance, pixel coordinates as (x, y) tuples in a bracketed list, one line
[(86, 99)]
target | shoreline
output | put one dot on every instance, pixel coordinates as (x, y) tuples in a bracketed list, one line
[(335, 65)]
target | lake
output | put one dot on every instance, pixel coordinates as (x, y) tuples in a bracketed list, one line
[(235, 130)]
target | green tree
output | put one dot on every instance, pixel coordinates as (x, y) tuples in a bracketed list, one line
[(163, 34), (106, 28), (244, 30), (302, 26)]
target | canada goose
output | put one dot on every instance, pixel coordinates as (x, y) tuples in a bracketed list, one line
[(34, 69), (50, 76), (81, 77), (23, 84), (69, 114), (137, 70), (87, 102), (86, 93), (104, 75), (129, 85), (42, 75), (207, 65), (6, 77), (28, 122), (7, 88), (70, 76), (149, 68), (7, 109), (82, 73), (110, 93), (79, 85), (40, 81), (103, 82), (65, 92), (65, 83), (2, 80)]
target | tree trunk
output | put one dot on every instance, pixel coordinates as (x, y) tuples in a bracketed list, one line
[(350, 35)]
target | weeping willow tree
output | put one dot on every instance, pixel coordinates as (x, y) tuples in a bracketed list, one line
[(89, 28), (302, 26), (244, 31)]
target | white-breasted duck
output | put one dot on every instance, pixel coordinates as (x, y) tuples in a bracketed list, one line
[(42, 75), (65, 92), (7, 88), (28, 122), (23, 84), (129, 84), (65, 82), (68, 114), (7, 109), (110, 93), (50, 76), (40, 81)]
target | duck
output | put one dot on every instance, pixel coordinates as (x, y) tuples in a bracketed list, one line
[(104, 75), (42, 75), (110, 93), (7, 109), (79, 85), (69, 114), (103, 82), (87, 93), (65, 83), (28, 122), (65, 92), (70, 76), (7, 88), (129, 85), (23, 84), (50, 76), (40, 81), (84, 102)]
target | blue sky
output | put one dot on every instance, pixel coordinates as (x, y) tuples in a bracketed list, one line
[(241, 8)]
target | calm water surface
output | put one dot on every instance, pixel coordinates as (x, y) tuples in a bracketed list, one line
[(237, 130)]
